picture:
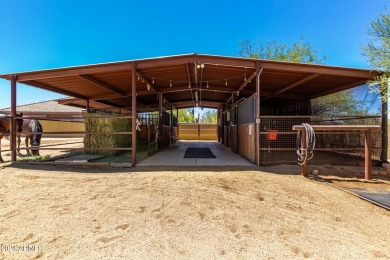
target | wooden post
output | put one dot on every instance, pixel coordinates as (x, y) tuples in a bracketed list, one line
[(385, 131), (13, 120), (160, 116), (148, 127), (88, 126), (367, 154), (218, 122), (304, 152), (257, 114), (87, 107), (177, 118), (134, 113), (171, 123)]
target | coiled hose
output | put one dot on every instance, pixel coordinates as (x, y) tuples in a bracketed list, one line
[(306, 155)]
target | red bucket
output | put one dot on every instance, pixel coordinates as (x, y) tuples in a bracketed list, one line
[(272, 134)]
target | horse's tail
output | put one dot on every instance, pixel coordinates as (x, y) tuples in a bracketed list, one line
[(35, 127)]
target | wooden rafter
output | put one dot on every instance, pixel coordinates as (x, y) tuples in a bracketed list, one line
[(297, 83), (340, 88), (247, 81), (147, 83), (50, 88), (188, 75), (102, 84)]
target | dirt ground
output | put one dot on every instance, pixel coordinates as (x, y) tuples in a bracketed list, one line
[(212, 213), (45, 143)]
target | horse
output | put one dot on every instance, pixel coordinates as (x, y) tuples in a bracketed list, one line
[(30, 128), (5, 129)]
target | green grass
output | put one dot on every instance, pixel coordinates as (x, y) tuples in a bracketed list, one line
[(34, 158)]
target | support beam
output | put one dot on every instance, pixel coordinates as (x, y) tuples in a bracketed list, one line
[(50, 88), (185, 88), (257, 112), (171, 123), (160, 116), (13, 118), (299, 82), (134, 113), (147, 83), (340, 88), (247, 81), (315, 68), (102, 84), (385, 129), (367, 155), (188, 75), (114, 96)]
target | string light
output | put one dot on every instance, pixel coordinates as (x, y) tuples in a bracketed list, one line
[(200, 65)]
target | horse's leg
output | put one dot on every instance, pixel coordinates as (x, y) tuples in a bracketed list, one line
[(1, 158), (18, 143), (28, 151)]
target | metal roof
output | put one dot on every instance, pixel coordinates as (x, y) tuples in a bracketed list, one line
[(183, 79)]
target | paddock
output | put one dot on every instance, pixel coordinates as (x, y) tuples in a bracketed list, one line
[(258, 102)]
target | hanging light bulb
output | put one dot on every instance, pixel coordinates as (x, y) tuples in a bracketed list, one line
[(189, 85), (148, 86), (170, 83), (225, 82), (153, 80), (245, 77), (207, 84)]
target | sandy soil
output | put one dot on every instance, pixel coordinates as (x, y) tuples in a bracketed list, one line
[(84, 213), (45, 143)]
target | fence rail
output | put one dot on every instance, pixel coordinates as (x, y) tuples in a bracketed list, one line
[(278, 141)]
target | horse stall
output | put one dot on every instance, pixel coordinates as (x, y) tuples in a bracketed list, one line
[(278, 142)]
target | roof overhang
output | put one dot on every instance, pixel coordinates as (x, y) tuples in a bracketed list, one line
[(193, 79)]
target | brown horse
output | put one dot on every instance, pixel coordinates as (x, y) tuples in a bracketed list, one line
[(32, 129), (5, 128)]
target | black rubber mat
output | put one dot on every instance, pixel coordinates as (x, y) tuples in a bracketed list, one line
[(199, 153)]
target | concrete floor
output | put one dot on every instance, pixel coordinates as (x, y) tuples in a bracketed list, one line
[(173, 156)]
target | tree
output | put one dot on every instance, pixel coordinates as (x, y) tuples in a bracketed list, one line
[(299, 52), (210, 116), (340, 103), (186, 115), (377, 51)]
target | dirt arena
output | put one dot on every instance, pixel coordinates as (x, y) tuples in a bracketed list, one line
[(52, 212)]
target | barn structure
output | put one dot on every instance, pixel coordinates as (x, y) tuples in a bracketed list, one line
[(258, 101)]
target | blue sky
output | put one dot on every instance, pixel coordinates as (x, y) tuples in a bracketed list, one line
[(43, 34)]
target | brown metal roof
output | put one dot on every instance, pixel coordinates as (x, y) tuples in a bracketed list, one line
[(180, 81)]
